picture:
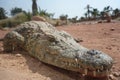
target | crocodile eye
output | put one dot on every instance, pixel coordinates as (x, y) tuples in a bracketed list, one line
[(52, 39)]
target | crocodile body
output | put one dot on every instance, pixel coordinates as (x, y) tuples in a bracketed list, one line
[(58, 48)]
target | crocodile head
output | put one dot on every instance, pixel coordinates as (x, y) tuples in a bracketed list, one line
[(92, 62), (72, 56)]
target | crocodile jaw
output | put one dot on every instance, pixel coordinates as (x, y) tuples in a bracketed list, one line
[(91, 63)]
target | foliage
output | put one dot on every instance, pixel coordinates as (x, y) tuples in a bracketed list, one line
[(86, 15), (63, 17), (107, 9), (16, 10), (102, 14), (45, 13), (74, 19), (82, 18), (28, 15), (116, 12), (14, 21), (95, 13), (2, 13), (88, 7)]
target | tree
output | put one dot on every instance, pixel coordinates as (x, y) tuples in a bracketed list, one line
[(74, 19), (34, 8), (2, 13), (88, 10), (116, 12), (95, 13), (107, 9), (102, 14), (16, 10), (64, 18), (107, 14)]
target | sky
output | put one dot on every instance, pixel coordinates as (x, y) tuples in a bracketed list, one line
[(71, 7)]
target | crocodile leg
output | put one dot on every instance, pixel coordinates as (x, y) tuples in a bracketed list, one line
[(13, 41)]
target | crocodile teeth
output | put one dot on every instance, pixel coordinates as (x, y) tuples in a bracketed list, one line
[(98, 70), (94, 73), (102, 68), (85, 71), (76, 59)]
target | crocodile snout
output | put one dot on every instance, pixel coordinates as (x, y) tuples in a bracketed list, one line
[(95, 63)]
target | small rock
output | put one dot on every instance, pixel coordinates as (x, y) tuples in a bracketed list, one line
[(113, 67), (18, 55), (112, 29), (116, 74), (111, 77), (12, 64), (1, 39), (38, 18), (78, 40), (100, 22), (108, 48)]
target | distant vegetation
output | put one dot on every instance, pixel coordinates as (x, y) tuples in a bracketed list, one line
[(95, 14), (15, 11), (18, 15), (2, 13)]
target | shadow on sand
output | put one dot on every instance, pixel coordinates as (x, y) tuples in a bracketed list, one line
[(54, 73)]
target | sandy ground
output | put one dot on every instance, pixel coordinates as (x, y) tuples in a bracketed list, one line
[(104, 37)]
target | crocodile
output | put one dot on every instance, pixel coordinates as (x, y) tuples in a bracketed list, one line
[(58, 48)]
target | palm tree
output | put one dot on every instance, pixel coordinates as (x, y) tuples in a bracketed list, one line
[(34, 7), (107, 14), (107, 9), (88, 10), (95, 13)]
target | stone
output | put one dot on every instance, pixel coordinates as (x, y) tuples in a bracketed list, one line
[(111, 77), (18, 55), (78, 40), (44, 42), (38, 18), (112, 29), (116, 74)]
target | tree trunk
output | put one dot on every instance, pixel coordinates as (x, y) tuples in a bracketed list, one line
[(34, 8)]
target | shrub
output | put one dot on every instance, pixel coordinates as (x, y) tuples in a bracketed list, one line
[(14, 21)]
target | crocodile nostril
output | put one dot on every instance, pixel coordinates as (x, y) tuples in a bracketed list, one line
[(93, 52)]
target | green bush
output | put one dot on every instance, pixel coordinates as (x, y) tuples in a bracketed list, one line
[(14, 21)]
